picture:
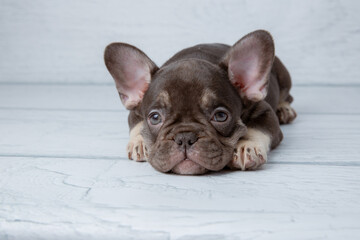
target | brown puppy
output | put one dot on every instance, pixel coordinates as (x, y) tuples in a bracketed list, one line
[(207, 107)]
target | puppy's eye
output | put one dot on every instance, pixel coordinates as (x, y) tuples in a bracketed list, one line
[(155, 118), (220, 116)]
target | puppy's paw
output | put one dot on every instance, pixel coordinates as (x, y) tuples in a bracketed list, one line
[(136, 149), (285, 113), (248, 155)]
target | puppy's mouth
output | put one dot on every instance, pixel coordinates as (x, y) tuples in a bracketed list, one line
[(203, 156), (188, 167)]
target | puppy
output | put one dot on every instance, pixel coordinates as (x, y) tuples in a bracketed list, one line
[(207, 107)]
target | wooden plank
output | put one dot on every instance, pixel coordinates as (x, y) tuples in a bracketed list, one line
[(311, 139), (108, 198), (63, 134), (319, 100), (315, 100), (64, 41), (320, 139), (60, 97)]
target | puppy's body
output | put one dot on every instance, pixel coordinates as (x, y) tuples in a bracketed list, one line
[(205, 108)]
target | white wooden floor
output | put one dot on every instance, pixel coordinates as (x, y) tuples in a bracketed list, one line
[(64, 174)]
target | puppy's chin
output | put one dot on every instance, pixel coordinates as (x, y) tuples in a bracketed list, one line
[(188, 167)]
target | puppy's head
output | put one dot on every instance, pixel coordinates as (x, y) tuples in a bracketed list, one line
[(191, 108)]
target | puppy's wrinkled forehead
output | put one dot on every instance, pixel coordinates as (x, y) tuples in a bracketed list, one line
[(188, 85)]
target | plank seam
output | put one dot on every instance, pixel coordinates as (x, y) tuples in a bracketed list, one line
[(338, 164)]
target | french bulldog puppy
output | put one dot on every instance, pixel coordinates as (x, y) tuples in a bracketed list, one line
[(208, 107)]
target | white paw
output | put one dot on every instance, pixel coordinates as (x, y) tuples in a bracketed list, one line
[(249, 155), (136, 149), (285, 113)]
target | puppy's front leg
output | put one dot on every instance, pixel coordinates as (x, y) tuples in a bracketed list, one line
[(262, 135), (136, 148), (251, 151)]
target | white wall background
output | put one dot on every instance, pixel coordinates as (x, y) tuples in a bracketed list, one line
[(62, 42)]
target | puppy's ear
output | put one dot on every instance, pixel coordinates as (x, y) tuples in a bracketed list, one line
[(131, 70), (249, 62)]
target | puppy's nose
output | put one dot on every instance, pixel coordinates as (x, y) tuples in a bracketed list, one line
[(186, 138)]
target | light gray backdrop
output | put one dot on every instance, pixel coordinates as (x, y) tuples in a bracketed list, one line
[(62, 42)]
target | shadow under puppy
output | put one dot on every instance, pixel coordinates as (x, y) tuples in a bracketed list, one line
[(207, 107)]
